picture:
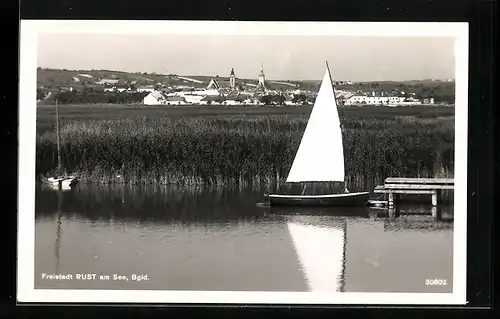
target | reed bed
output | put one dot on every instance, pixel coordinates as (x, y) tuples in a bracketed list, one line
[(241, 150)]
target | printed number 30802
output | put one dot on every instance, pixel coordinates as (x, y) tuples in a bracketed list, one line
[(435, 282)]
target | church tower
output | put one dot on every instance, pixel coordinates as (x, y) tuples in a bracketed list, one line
[(232, 80), (262, 79)]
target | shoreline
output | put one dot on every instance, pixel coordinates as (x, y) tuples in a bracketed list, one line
[(174, 189), (87, 178)]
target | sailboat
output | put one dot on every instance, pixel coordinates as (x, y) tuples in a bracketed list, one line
[(60, 181), (320, 157)]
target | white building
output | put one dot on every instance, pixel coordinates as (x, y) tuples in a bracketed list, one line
[(357, 98), (232, 102), (176, 100), (410, 101), (213, 92), (107, 81), (289, 100), (343, 94), (249, 101), (154, 98), (191, 98), (196, 96), (393, 100), (146, 88), (233, 98), (211, 100), (373, 99), (118, 89)]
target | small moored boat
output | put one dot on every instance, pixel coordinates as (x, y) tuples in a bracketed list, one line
[(60, 181)]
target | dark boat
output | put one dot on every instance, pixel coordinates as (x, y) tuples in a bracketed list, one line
[(346, 199)]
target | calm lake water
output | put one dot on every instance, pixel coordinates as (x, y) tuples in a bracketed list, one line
[(206, 239)]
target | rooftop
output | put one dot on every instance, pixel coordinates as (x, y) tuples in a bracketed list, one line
[(157, 94)]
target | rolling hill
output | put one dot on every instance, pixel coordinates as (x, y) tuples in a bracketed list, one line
[(53, 79)]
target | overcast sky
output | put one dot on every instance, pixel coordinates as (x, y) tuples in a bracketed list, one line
[(283, 57)]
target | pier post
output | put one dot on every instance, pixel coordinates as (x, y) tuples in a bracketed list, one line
[(434, 198), (436, 213), (396, 199), (394, 212), (391, 200), (396, 204)]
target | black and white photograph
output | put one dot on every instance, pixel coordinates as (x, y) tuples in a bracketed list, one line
[(243, 162)]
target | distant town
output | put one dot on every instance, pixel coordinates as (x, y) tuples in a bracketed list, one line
[(102, 86)]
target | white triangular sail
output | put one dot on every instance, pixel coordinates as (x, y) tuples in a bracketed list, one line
[(321, 254), (320, 156)]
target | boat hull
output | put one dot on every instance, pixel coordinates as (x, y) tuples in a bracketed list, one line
[(347, 199)]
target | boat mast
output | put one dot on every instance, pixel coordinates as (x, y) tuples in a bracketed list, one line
[(339, 107), (58, 141), (341, 120)]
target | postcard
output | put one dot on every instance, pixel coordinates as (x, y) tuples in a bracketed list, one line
[(242, 162)]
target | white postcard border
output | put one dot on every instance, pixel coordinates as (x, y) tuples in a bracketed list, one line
[(27, 141)]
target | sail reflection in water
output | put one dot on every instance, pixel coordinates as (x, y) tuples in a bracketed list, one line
[(203, 239), (321, 250)]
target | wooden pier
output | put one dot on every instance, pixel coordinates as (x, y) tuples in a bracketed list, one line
[(395, 186)]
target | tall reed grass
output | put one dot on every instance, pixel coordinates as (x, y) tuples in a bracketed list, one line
[(241, 150)]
